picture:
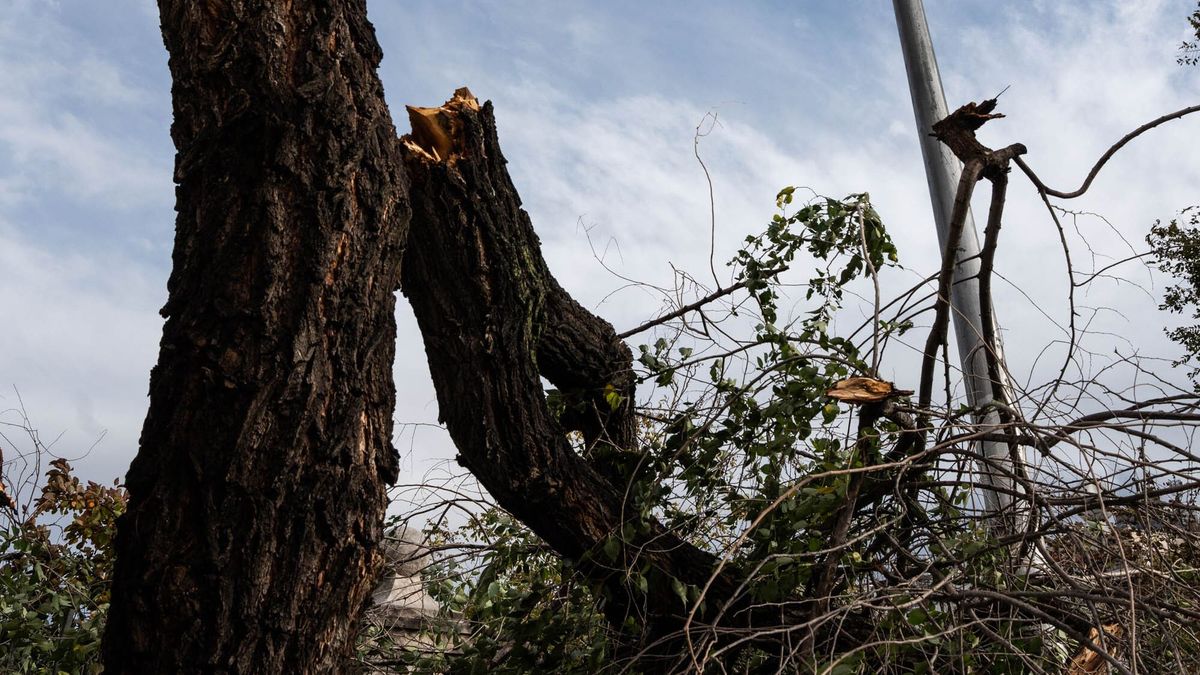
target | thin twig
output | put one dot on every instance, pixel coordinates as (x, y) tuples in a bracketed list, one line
[(720, 293), (712, 200)]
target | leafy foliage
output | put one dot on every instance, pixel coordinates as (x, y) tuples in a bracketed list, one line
[(515, 607), (1176, 249), (54, 582)]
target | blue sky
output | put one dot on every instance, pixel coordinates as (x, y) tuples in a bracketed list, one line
[(597, 105)]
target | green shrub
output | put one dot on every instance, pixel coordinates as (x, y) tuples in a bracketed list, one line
[(55, 578)]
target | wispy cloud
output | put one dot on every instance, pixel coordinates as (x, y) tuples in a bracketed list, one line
[(80, 338), (65, 113)]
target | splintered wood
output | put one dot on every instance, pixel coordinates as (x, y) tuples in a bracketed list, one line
[(435, 130), (1089, 661), (864, 390)]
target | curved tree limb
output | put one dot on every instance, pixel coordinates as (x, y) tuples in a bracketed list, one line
[(494, 320), (1087, 182)]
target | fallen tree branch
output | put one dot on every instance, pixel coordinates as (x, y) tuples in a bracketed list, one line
[(494, 321)]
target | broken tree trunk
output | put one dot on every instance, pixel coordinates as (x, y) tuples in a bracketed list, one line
[(258, 492), (494, 321)]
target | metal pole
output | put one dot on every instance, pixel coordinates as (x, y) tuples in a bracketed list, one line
[(942, 170)]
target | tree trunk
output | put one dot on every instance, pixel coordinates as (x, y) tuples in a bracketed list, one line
[(258, 492), (494, 321)]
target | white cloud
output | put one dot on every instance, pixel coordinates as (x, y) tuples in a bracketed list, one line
[(81, 335), (82, 164), (65, 118), (101, 82)]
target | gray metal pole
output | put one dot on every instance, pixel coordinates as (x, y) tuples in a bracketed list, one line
[(942, 170)]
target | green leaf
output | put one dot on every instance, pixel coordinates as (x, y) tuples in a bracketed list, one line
[(611, 548), (680, 590), (612, 397)]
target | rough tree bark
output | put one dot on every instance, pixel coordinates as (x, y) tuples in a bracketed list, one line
[(258, 492), (494, 320)]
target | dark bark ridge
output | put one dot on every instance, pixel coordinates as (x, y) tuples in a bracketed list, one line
[(258, 492), (493, 320)]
